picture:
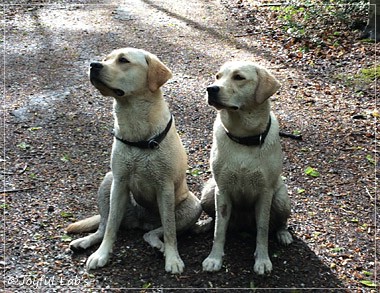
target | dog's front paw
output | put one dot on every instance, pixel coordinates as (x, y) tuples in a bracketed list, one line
[(262, 266), (97, 260), (212, 264), (284, 237), (174, 265)]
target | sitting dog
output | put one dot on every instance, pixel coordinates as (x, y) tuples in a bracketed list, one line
[(246, 188), (147, 185)]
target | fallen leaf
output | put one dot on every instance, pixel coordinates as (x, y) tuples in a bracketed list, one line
[(368, 283), (311, 172)]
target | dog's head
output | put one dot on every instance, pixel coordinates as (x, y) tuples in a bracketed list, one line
[(128, 71), (241, 85)]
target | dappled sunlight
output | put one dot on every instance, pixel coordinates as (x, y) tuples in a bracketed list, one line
[(73, 18), (58, 141)]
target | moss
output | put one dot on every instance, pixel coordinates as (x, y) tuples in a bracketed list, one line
[(359, 80), (367, 41), (369, 74)]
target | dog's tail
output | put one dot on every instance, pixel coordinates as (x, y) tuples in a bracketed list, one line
[(86, 225)]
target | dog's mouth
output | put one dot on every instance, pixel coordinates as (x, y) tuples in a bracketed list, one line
[(213, 99), (220, 106), (104, 88), (119, 92)]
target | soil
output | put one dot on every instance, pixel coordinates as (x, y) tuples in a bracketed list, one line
[(57, 145)]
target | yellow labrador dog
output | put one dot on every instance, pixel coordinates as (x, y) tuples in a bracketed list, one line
[(246, 162), (147, 186)]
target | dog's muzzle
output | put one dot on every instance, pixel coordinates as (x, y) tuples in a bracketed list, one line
[(213, 99), (95, 69)]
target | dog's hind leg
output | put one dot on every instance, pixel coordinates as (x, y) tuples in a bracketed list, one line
[(86, 242), (90, 240), (208, 206), (187, 213), (280, 212), (153, 238)]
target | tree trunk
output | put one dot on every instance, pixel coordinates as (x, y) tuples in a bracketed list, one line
[(372, 30)]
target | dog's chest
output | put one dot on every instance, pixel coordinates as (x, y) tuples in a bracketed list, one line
[(138, 169), (242, 180), (241, 176)]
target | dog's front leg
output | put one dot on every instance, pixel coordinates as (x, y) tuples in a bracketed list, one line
[(223, 212), (262, 211), (166, 205), (118, 202)]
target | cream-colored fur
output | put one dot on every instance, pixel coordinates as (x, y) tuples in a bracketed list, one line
[(246, 187), (147, 187)]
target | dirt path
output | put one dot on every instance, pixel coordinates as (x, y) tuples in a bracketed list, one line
[(57, 146)]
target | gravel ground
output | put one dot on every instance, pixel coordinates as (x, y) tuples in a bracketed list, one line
[(57, 147)]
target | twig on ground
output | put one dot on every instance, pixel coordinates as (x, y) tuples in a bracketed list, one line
[(17, 190), (7, 173), (15, 173), (369, 194), (289, 135), (244, 35), (23, 169)]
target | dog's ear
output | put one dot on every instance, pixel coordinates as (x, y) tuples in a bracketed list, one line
[(267, 85), (158, 73)]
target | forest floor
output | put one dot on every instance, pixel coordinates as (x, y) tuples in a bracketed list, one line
[(57, 142)]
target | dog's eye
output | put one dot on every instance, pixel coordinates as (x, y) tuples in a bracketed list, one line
[(238, 77), (217, 76), (123, 60)]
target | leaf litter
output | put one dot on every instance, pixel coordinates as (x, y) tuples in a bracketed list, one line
[(65, 143)]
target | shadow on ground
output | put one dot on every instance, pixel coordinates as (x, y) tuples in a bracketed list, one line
[(139, 266)]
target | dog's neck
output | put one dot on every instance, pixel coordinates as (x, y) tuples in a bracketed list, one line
[(244, 122), (141, 119)]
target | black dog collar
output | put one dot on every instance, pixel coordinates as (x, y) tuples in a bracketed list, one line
[(256, 140), (153, 143)]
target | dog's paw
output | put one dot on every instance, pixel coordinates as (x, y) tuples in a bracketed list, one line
[(174, 265), (79, 244), (284, 237), (97, 260), (262, 266), (212, 264), (154, 241), (202, 226)]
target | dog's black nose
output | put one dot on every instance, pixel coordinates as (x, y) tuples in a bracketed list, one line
[(212, 90), (96, 65)]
